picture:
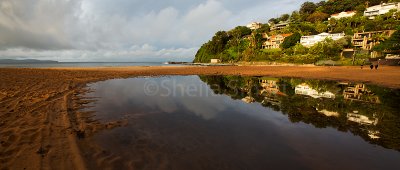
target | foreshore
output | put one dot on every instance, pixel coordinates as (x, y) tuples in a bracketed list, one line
[(388, 76), (40, 120)]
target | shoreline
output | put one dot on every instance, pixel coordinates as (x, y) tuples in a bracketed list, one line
[(40, 121), (387, 76)]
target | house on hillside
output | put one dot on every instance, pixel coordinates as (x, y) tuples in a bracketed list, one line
[(367, 40), (274, 41), (383, 8), (215, 61), (343, 15), (254, 25), (311, 40), (279, 26)]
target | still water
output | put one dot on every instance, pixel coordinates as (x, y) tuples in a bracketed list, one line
[(231, 122)]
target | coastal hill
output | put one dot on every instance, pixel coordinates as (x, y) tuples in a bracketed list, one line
[(345, 32), (25, 61)]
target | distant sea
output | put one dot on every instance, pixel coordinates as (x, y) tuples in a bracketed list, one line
[(83, 64)]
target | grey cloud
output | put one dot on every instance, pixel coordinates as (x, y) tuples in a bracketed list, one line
[(104, 30), (34, 24), (135, 53), (140, 7)]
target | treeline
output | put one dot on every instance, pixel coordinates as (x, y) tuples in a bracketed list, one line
[(243, 44)]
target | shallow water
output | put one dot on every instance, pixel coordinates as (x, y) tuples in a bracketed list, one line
[(231, 122)]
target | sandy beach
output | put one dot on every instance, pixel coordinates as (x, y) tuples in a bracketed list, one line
[(40, 122)]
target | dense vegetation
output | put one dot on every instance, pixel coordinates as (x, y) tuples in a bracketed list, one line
[(392, 44), (243, 44)]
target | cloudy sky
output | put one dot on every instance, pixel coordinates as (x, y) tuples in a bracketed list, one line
[(123, 30)]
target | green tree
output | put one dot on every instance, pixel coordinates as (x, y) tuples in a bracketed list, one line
[(321, 27), (308, 8), (264, 28), (360, 8), (328, 49), (237, 34), (256, 40), (303, 28), (291, 40), (284, 17), (273, 20), (370, 26), (212, 48), (248, 54), (299, 49), (317, 17), (295, 17), (392, 44), (218, 42), (336, 6)]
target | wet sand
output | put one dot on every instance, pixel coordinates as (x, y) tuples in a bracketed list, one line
[(40, 121)]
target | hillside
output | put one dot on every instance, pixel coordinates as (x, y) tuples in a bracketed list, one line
[(245, 44)]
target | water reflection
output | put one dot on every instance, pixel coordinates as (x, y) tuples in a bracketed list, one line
[(232, 122), (359, 92), (368, 111), (305, 89)]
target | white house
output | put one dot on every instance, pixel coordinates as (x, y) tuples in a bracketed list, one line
[(343, 15), (381, 9), (305, 89), (279, 26), (254, 25), (309, 41), (215, 61)]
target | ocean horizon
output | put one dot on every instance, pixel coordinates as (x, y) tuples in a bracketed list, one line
[(82, 64)]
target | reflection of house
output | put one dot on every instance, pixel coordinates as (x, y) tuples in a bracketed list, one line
[(309, 41), (248, 99), (304, 89), (365, 120), (342, 15), (279, 26), (361, 119), (367, 40), (359, 92), (373, 134), (270, 86), (381, 9), (270, 91), (328, 113), (254, 25), (274, 41), (271, 100)]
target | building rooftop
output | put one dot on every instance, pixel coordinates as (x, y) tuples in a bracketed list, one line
[(347, 12)]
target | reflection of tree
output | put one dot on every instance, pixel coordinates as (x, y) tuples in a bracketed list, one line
[(306, 109)]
